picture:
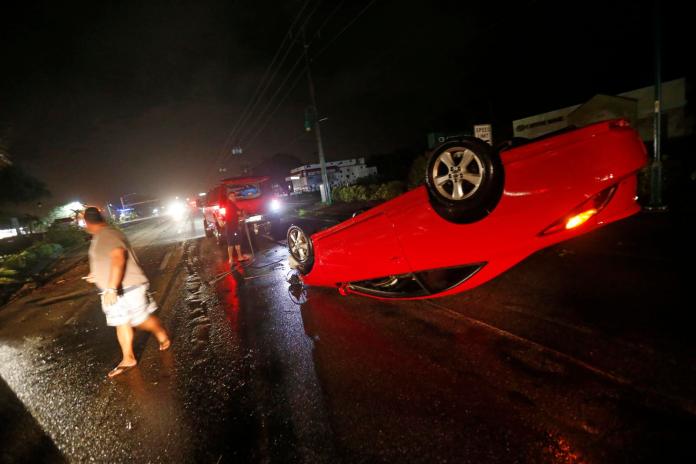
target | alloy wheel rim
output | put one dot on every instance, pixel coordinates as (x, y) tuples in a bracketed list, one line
[(298, 244), (457, 173)]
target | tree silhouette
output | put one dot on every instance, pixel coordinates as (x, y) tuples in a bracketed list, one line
[(17, 186)]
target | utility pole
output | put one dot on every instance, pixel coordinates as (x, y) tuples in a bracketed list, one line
[(317, 129), (656, 202)]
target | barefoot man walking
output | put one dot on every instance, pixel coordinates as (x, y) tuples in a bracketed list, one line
[(114, 268)]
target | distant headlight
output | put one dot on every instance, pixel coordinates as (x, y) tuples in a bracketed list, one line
[(176, 209), (275, 205)]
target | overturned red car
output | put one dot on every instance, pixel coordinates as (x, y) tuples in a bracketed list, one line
[(481, 211)]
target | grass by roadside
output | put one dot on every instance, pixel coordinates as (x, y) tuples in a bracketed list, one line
[(25, 268), (337, 211)]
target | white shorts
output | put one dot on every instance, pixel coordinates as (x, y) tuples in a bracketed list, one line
[(131, 308)]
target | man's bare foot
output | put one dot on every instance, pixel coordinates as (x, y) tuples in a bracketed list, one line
[(121, 369), (164, 346)]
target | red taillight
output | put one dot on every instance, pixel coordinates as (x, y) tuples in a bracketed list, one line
[(582, 213)]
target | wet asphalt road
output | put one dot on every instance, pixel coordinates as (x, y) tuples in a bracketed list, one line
[(583, 353)]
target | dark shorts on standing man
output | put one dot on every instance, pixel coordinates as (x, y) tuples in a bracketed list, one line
[(233, 235)]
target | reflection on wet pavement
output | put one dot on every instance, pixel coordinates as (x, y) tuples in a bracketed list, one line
[(263, 369)]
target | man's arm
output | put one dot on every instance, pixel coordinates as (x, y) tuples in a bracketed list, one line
[(118, 268)]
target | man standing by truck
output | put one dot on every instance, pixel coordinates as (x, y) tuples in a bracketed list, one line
[(233, 233)]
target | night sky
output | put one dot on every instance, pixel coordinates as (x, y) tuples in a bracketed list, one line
[(104, 98)]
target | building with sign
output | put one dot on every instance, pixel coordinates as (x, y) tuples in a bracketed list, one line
[(635, 105), (307, 178)]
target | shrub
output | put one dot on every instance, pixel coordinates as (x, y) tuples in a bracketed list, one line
[(65, 236), (416, 175), (8, 276), (373, 192), (47, 250), (7, 272), (30, 257), (16, 261), (362, 192), (389, 190), (337, 193)]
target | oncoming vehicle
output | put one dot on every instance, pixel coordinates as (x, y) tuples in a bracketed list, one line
[(257, 203), (480, 212)]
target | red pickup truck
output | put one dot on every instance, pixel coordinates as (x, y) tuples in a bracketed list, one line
[(254, 199)]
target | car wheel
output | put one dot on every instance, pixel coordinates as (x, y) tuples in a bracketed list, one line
[(300, 248), (206, 228), (464, 179)]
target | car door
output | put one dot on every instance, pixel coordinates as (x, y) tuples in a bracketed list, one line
[(364, 247)]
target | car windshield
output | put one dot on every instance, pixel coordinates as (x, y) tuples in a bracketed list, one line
[(245, 191)]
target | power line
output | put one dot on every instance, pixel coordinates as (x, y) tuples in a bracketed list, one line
[(275, 109), (275, 94), (254, 135), (327, 19), (241, 132), (261, 120), (295, 82), (275, 73), (345, 28), (302, 134), (257, 92)]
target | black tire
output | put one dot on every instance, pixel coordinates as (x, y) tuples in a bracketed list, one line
[(465, 184), (305, 260), (208, 232)]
